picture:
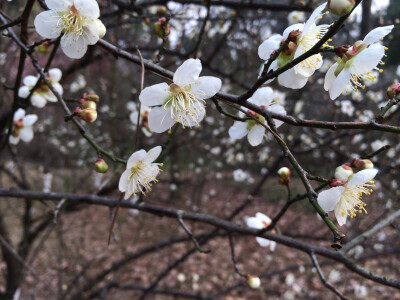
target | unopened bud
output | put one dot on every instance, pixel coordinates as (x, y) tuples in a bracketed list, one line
[(43, 48), (93, 97), (87, 104), (161, 28), (343, 172), (362, 164), (284, 176), (100, 166), (253, 281), (341, 7), (393, 90), (102, 28), (88, 115)]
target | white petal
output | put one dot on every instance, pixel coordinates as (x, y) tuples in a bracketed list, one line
[(256, 135), (20, 113), (14, 140), (339, 84), (38, 101), (367, 60), (160, 120), (134, 117), (330, 76), (91, 32), (279, 109), (31, 80), (341, 219), (291, 28), (329, 198), (29, 120), (192, 120), (74, 46), (272, 246), (263, 218), (131, 188), (46, 24), (23, 91), (307, 67), (88, 8), (123, 181), (362, 177), (263, 242), (313, 18), (376, 34), (26, 134), (153, 154), (292, 80), (55, 74), (59, 5), (206, 87), (268, 46), (238, 130), (254, 222), (154, 95), (262, 97), (135, 158), (188, 72)]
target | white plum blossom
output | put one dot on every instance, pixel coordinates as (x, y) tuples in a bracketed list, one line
[(22, 127), (239, 175), (347, 108), (141, 171), (303, 38), (360, 291), (42, 93), (261, 221), (357, 64), (77, 20), (296, 17), (181, 102), (255, 132), (346, 200)]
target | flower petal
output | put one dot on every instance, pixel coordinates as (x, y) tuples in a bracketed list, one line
[(339, 84), (341, 218), (376, 34), (192, 119), (206, 87), (188, 72), (329, 198), (330, 76), (292, 80), (38, 101), (279, 109), (262, 97), (362, 177), (26, 134), (256, 135), (262, 242), (20, 113), (268, 46), (29, 120), (153, 154), (154, 95), (123, 181), (254, 222), (288, 30), (55, 74), (91, 32), (263, 218), (135, 158), (24, 91), (74, 46), (238, 130), (59, 5), (46, 24), (367, 59), (14, 140), (313, 18), (88, 8), (30, 80), (160, 120)]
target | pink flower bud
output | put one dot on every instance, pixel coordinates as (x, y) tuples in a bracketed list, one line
[(161, 29), (343, 172), (88, 115), (87, 104), (284, 176), (341, 7), (100, 166), (362, 164), (336, 182), (93, 97), (393, 90)]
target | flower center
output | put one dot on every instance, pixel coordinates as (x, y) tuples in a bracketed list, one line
[(72, 21), (185, 107), (351, 203), (142, 175)]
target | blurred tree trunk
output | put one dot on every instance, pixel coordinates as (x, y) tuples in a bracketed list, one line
[(366, 22)]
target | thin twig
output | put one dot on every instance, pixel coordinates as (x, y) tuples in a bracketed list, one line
[(192, 237)]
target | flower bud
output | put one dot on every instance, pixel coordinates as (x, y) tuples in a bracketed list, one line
[(343, 172), (253, 281), (88, 115), (341, 7), (102, 28), (393, 90), (43, 48), (161, 10), (362, 164), (161, 28), (284, 176), (93, 97), (87, 104), (336, 182), (100, 166)]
